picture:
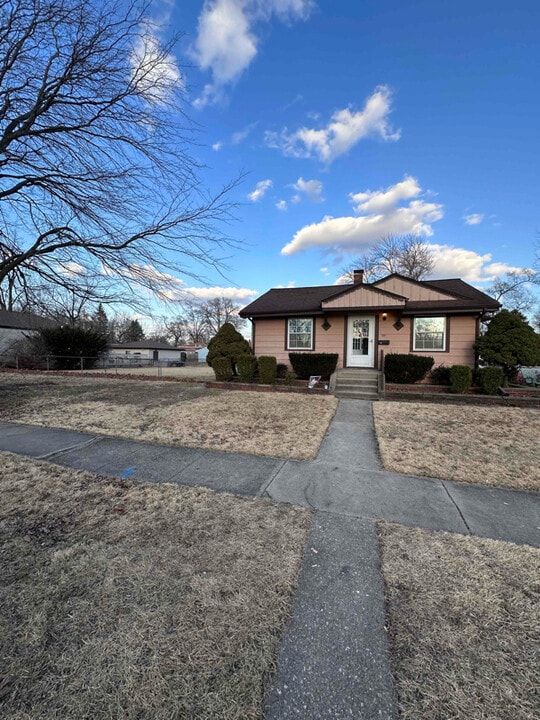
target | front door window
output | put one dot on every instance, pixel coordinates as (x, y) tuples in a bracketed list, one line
[(360, 344), (360, 336)]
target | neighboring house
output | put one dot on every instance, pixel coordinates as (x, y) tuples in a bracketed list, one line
[(364, 321), (201, 354), (15, 326), (145, 351)]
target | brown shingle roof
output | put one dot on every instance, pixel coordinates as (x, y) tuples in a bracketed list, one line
[(24, 320), (459, 288), (280, 302), (143, 345), (291, 301)]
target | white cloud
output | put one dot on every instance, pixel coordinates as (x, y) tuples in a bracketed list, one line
[(474, 219), (466, 264), (345, 129), (227, 43), (241, 135), (290, 284), (236, 138), (169, 288), (383, 216), (312, 189), (379, 201), (213, 292), (153, 70), (260, 190), (71, 269), (202, 294), (281, 205)]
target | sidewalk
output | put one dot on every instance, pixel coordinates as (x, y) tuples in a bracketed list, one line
[(346, 478), (333, 662)]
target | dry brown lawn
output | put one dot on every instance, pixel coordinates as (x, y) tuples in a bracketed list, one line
[(464, 625), (497, 446), (275, 424), (122, 600)]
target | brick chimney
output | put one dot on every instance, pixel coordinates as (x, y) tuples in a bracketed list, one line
[(358, 277)]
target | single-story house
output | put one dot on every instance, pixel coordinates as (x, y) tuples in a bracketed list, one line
[(16, 326), (362, 322), (145, 352), (201, 354)]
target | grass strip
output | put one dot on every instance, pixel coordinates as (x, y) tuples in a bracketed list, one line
[(137, 600), (464, 625)]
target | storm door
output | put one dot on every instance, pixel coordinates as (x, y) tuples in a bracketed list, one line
[(360, 340)]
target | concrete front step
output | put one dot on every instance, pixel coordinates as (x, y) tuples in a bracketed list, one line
[(357, 383), (356, 395)]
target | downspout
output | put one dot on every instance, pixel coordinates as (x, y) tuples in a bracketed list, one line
[(252, 334), (381, 378), (476, 336)]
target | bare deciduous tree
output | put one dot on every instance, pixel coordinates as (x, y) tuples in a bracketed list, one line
[(218, 311), (198, 322), (176, 330), (94, 168), (63, 304), (407, 255), (189, 326), (513, 290)]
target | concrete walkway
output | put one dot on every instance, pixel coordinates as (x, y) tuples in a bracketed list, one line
[(333, 661)]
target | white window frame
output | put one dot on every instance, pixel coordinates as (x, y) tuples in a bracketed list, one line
[(444, 333), (293, 347)]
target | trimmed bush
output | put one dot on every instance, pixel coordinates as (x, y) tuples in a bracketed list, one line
[(227, 343), (307, 364), (267, 369), (282, 370), (441, 375), (222, 369), (406, 368), (246, 366), (460, 378), (491, 378), (290, 377)]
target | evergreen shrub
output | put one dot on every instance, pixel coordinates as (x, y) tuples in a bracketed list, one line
[(491, 378), (460, 378), (267, 369), (73, 343), (282, 370), (246, 366), (228, 343), (509, 342), (290, 377), (441, 375), (222, 369), (406, 368), (307, 364)]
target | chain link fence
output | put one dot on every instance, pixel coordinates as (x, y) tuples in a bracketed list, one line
[(108, 363)]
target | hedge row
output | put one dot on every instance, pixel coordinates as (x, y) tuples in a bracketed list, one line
[(265, 368), (404, 369), (307, 364)]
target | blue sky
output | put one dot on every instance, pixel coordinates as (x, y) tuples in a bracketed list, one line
[(354, 119)]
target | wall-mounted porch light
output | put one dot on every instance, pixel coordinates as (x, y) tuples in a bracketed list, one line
[(384, 316)]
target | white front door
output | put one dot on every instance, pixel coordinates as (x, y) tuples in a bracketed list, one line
[(361, 341)]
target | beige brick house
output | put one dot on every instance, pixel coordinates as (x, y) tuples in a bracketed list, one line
[(364, 321)]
